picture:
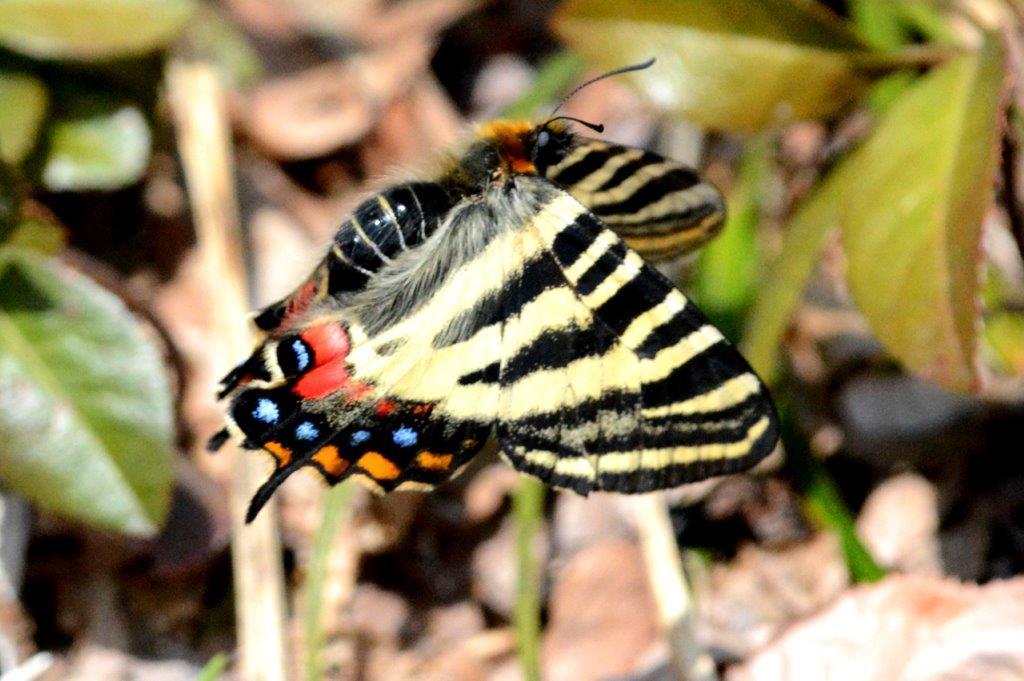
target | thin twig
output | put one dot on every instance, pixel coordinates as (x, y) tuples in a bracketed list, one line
[(671, 592), (204, 142)]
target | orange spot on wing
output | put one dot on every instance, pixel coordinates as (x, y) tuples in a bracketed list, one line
[(378, 466), (434, 462), (331, 461), (282, 454), (385, 407)]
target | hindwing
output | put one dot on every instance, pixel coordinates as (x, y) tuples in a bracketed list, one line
[(521, 315), (661, 207)]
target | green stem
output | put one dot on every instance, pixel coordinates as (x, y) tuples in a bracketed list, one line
[(336, 507), (823, 502), (528, 509)]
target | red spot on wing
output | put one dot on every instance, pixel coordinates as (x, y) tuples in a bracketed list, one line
[(329, 341), (330, 344), (385, 407)]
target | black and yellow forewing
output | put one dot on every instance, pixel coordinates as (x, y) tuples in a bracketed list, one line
[(661, 207)]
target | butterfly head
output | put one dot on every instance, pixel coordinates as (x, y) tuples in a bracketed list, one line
[(516, 147)]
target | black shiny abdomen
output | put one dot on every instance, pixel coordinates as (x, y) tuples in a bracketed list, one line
[(382, 227)]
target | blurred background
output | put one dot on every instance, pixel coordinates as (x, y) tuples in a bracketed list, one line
[(168, 165)]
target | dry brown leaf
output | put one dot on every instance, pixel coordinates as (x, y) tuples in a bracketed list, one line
[(487, 491), (744, 603), (602, 621), (324, 108), (905, 628)]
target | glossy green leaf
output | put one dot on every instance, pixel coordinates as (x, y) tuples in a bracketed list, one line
[(805, 237), (23, 102), (86, 420), (96, 143), (733, 64), (911, 215), (90, 29), (726, 277)]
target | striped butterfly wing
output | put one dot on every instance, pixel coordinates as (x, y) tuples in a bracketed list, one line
[(522, 313), (635, 390), (382, 387), (382, 227), (661, 208)]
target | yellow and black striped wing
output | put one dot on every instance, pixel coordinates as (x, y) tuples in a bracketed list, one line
[(632, 389), (523, 316), (662, 208)]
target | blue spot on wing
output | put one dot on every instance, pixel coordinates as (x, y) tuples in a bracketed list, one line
[(359, 436), (404, 437), (266, 410), (301, 354), (306, 431)]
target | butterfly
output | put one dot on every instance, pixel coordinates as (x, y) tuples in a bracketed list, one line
[(510, 297)]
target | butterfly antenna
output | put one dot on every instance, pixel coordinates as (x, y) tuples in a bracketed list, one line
[(624, 69), (596, 127)]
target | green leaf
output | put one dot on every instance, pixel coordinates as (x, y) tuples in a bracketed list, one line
[(86, 421), (23, 103), (215, 668), (726, 277), (528, 510), (913, 204), (804, 239), (36, 234), (880, 22), (554, 77), (336, 510), (90, 29), (733, 64), (96, 143), (1004, 337)]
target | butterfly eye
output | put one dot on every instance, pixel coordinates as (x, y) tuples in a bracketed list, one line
[(543, 137)]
